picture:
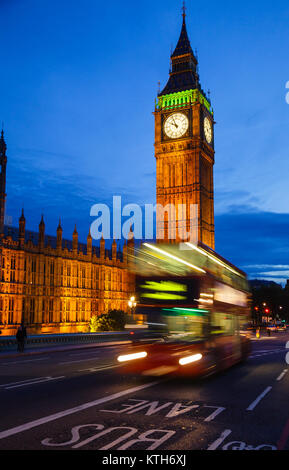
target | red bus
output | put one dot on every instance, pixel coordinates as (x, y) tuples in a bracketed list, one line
[(197, 301)]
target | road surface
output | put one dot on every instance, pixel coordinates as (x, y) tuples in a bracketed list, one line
[(79, 400)]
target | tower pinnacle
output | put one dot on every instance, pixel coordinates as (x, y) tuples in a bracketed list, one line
[(3, 163), (3, 146), (183, 75), (184, 10)]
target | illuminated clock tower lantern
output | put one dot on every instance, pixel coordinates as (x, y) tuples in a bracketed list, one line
[(184, 149)]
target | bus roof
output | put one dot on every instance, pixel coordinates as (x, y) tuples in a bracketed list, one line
[(186, 259)]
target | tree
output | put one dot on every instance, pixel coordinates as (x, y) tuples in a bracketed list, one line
[(114, 320), (273, 296)]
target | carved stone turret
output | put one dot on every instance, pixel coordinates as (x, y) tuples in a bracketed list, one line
[(59, 236), (75, 241), (124, 252), (3, 163), (102, 248), (22, 223), (89, 243), (114, 250), (41, 233), (130, 238)]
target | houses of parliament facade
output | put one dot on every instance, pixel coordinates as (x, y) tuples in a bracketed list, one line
[(56, 285)]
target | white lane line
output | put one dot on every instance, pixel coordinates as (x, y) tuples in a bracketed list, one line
[(258, 399), (269, 351), (83, 354), (94, 369), (263, 350), (266, 354), (21, 382), (44, 379), (70, 411), (221, 439), (282, 375), (79, 360), (22, 362)]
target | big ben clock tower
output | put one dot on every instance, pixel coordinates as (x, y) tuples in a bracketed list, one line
[(184, 150)]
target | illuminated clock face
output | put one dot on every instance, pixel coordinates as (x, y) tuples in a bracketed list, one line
[(176, 125), (208, 130)]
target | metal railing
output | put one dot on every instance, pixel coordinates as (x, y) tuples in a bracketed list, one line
[(9, 342)]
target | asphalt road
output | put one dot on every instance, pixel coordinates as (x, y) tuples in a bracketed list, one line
[(79, 400)]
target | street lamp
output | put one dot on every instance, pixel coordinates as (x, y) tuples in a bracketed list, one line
[(256, 316), (132, 304)]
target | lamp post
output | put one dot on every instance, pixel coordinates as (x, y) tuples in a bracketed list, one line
[(132, 305), (255, 318)]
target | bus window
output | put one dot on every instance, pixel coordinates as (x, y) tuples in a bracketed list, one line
[(222, 323), (188, 327)]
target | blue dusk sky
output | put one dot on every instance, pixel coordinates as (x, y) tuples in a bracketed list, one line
[(77, 88)]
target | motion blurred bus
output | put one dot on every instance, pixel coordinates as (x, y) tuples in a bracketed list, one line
[(197, 301)]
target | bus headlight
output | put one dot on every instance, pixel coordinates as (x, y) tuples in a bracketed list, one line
[(131, 357), (189, 359)]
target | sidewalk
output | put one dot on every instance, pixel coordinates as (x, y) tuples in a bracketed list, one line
[(261, 338), (55, 349)]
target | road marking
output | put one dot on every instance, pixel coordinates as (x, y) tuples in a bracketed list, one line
[(155, 407), (258, 399), (263, 350), (84, 354), (253, 356), (220, 439), (70, 411), (21, 382), (239, 445), (39, 381), (269, 351), (129, 432), (74, 362), (213, 415), (282, 375), (97, 369), (22, 362)]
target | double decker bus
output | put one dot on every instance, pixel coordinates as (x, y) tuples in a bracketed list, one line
[(197, 301)]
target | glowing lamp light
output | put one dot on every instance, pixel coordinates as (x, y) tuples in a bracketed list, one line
[(131, 357), (132, 302), (190, 359)]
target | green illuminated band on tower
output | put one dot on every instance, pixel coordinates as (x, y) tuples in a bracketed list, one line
[(181, 99)]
